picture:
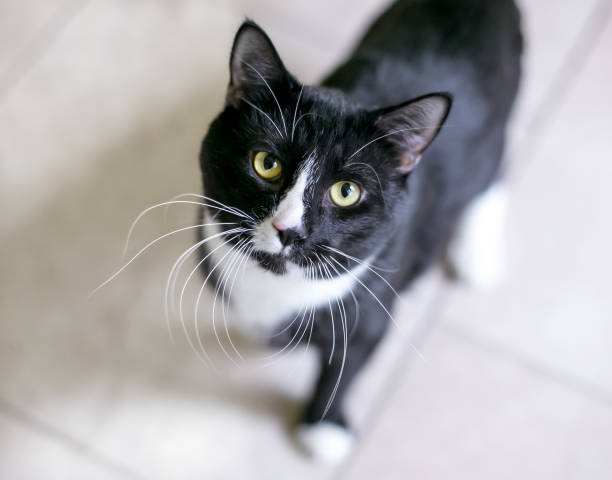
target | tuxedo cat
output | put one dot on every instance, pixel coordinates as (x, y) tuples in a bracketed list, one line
[(331, 198)]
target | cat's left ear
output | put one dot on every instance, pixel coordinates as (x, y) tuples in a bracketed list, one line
[(413, 125), (254, 62)]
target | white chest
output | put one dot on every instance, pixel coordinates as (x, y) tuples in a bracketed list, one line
[(260, 299)]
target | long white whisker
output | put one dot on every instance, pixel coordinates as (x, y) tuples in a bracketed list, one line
[(225, 300), (295, 112), (264, 114), (172, 202), (368, 267), (354, 329), (221, 282), (380, 303), (171, 284), (245, 256), (342, 313), (112, 277), (330, 311), (289, 344), (375, 267), (311, 320), (171, 278), (377, 179), (388, 134), (288, 326), (236, 210), (182, 318), (199, 297), (303, 116), (170, 291), (272, 92)]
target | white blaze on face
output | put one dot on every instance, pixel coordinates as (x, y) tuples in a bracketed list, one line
[(288, 215)]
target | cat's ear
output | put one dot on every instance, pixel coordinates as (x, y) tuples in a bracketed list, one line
[(413, 125), (253, 62)]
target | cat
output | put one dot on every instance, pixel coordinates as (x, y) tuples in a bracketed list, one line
[(332, 198)]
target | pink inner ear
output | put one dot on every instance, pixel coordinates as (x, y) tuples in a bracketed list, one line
[(408, 162)]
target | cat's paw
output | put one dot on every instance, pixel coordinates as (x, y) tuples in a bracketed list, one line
[(325, 441), (477, 252)]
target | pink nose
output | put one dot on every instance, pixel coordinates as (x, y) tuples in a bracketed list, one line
[(278, 225)]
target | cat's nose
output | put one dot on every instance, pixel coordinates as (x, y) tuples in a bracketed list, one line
[(285, 235)]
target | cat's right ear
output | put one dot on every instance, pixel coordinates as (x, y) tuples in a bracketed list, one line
[(254, 62), (413, 125)]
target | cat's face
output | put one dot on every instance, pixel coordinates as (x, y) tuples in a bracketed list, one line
[(315, 173)]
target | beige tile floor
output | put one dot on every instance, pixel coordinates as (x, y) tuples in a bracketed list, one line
[(102, 107)]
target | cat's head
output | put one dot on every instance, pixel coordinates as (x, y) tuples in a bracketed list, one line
[(312, 170)]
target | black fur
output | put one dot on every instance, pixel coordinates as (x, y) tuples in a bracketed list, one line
[(468, 48)]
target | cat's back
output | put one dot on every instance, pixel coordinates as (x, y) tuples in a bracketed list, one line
[(470, 48)]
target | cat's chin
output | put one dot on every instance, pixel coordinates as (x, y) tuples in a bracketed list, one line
[(272, 262)]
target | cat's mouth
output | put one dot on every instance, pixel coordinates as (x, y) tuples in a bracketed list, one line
[(274, 262), (279, 263)]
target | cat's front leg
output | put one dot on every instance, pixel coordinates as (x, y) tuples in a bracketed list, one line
[(324, 432)]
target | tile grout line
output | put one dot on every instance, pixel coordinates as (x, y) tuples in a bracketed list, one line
[(57, 436), (560, 85), (40, 43), (430, 320), (570, 381)]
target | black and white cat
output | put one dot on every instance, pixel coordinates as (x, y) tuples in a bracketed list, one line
[(330, 197)]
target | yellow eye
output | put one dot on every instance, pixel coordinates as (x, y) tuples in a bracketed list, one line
[(266, 166), (345, 193)]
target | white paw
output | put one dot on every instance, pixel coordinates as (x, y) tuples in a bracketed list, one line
[(477, 251), (325, 441)]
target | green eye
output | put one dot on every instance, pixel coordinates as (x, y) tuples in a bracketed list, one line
[(345, 193), (266, 166)]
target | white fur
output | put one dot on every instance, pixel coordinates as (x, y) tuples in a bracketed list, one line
[(291, 208), (477, 252), (262, 299), (326, 441), (289, 214), (266, 238)]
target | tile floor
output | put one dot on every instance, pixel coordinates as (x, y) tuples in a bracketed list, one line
[(516, 384)]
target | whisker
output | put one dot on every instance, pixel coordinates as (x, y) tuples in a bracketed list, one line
[(235, 210), (312, 312), (368, 267), (112, 277), (171, 278), (171, 294), (303, 116), (263, 113), (172, 202), (311, 319), (382, 191), (331, 313), (199, 297), (295, 112), (350, 257), (380, 303), (357, 313), (181, 317), (246, 255), (234, 251), (354, 329), (271, 91), (287, 327), (344, 348), (289, 344), (391, 133), (242, 257)]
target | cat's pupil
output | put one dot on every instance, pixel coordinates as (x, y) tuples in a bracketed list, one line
[(269, 163), (346, 189)]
